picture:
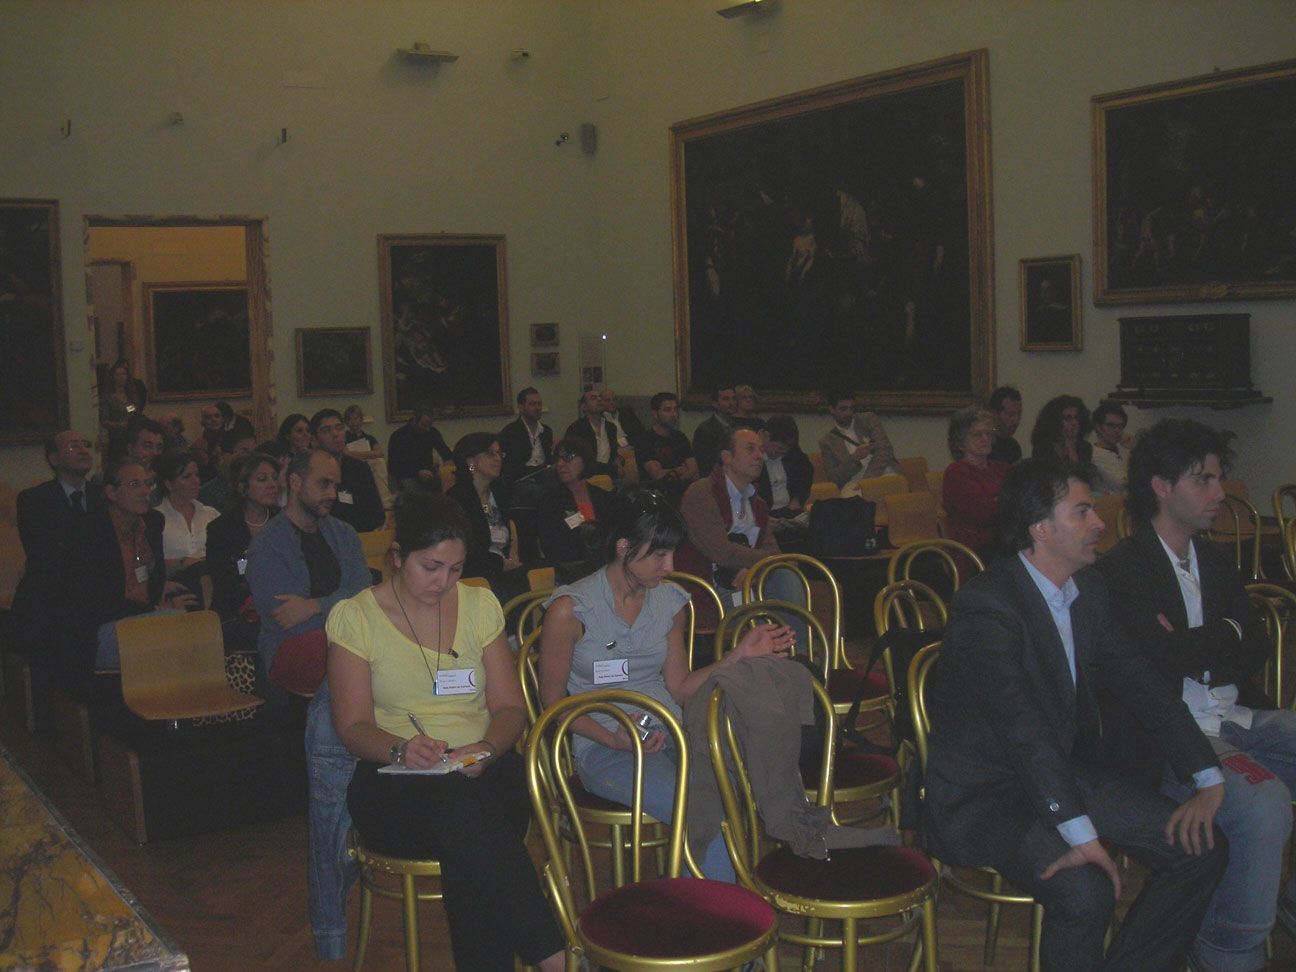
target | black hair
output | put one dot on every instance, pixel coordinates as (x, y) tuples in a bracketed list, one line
[(657, 400), (171, 464), (472, 444), (1004, 393), (140, 422), (1030, 492), (233, 437), (579, 447), (286, 426), (715, 392), (418, 410), (834, 395), (52, 446), (424, 519), (226, 410), (1103, 410), (112, 472), (240, 474), (645, 520), (1169, 449), (1048, 424), (522, 395), (352, 410), (275, 448), (782, 428), (321, 415)]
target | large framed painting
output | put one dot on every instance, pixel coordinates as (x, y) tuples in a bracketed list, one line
[(197, 340), (1049, 295), (444, 324), (333, 361), (1193, 191), (840, 237), (33, 370)]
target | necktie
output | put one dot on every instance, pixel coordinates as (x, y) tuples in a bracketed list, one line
[(78, 501)]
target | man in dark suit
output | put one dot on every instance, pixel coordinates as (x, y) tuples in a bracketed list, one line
[(714, 430), (627, 422), (1011, 777), (358, 502), (527, 442), (1184, 604), (602, 436)]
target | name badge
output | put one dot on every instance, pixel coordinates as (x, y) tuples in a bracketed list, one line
[(499, 535), (344, 496), (574, 520), (456, 681), (141, 573), (736, 598), (610, 670), (242, 565)]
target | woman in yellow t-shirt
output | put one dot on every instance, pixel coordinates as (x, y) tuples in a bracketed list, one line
[(421, 676)]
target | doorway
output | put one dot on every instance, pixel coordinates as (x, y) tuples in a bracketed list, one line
[(184, 301)]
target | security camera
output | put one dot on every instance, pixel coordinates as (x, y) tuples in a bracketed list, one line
[(519, 54)]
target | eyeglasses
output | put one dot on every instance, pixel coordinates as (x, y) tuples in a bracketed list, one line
[(565, 456), (1114, 424), (495, 453)]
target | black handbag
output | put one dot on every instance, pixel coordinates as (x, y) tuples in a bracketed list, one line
[(842, 527)]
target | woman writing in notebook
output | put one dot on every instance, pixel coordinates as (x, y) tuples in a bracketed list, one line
[(421, 676)]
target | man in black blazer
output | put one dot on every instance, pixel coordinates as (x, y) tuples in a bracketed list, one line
[(358, 503), (1185, 605), (1011, 777), (527, 442)]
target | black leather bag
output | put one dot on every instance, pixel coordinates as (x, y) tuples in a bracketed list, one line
[(842, 527)]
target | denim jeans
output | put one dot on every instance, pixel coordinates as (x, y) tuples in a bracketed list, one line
[(330, 871), (781, 585), (1259, 777), (609, 773)]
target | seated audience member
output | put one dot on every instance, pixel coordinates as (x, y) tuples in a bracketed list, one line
[(295, 435), (121, 397), (358, 502), (1006, 404), (1110, 453), (234, 445), (629, 428), (745, 415), (492, 547), (143, 440), (714, 430), (359, 443), (185, 518), (856, 447), (1184, 604), (527, 442), (972, 481), (601, 435), (300, 565), (279, 452), (173, 433), (729, 527), (384, 645), (412, 450), (233, 423), (1012, 780), (51, 520), (123, 572), (1060, 430), (628, 612), (253, 499), (785, 482), (662, 453), (571, 512)]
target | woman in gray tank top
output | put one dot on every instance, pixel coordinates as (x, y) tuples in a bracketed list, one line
[(623, 627)]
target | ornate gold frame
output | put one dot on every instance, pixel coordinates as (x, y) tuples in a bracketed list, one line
[(1072, 263)]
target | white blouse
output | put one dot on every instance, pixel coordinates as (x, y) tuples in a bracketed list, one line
[(181, 539)]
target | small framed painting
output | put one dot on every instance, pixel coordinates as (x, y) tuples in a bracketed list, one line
[(1050, 303), (333, 361), (544, 364), (544, 335)]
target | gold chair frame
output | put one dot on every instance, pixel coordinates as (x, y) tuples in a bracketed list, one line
[(1276, 606), (901, 562), (552, 795), (1245, 521), (743, 838), (689, 583), (919, 670), (408, 871)]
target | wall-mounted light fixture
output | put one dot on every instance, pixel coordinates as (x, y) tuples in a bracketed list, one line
[(746, 7), (421, 51)]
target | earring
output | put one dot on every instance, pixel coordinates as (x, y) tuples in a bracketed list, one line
[(471, 467)]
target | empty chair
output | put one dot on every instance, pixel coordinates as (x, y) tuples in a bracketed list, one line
[(910, 517), (914, 469)]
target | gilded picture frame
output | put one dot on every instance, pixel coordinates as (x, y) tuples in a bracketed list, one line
[(1049, 303), (197, 340), (333, 361)]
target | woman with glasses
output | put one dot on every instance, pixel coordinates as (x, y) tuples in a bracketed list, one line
[(572, 514), (973, 480), (492, 546), (623, 627)]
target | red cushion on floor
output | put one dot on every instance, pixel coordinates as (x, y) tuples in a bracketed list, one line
[(844, 685), (855, 769), (853, 874), (676, 918)]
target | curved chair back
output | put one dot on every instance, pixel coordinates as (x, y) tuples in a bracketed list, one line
[(914, 470), (1276, 606), (800, 565), (525, 612), (529, 674), (950, 555), (1289, 548), (911, 517), (820, 491), (1238, 524), (908, 604), (918, 677), (705, 607), (1282, 496), (735, 624)]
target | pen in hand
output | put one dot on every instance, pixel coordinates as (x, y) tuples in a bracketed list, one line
[(418, 727)]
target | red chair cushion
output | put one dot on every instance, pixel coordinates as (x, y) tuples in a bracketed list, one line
[(853, 873), (844, 685), (854, 769), (299, 665), (676, 918)]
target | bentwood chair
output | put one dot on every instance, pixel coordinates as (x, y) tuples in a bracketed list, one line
[(845, 682), (952, 561), (911, 517), (1238, 526), (1282, 496), (524, 613), (919, 676), (1276, 606), (914, 469), (850, 886), (705, 607), (374, 869), (645, 925)]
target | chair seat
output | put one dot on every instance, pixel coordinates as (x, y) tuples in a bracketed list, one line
[(190, 703), (855, 769), (669, 918), (845, 685), (853, 874), (587, 801)]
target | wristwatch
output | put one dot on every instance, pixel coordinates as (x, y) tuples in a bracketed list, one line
[(396, 755)]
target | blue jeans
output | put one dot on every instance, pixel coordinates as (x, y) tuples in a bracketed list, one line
[(1259, 777), (330, 872), (781, 585), (609, 773)]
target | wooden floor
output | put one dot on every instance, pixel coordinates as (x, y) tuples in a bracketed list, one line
[(236, 901)]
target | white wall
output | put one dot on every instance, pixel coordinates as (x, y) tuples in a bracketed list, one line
[(468, 147)]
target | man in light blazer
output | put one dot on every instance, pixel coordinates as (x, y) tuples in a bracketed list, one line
[(1012, 778)]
